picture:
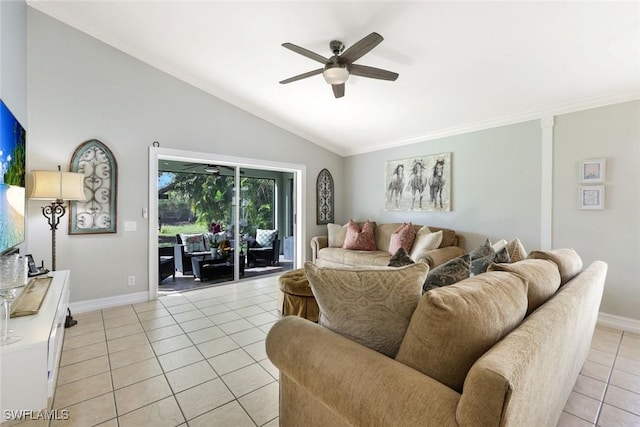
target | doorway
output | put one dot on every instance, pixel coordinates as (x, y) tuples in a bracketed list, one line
[(237, 214)]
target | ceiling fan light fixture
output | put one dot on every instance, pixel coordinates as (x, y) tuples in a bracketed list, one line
[(212, 169), (336, 75)]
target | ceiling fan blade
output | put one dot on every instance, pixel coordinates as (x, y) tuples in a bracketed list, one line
[(302, 76), (371, 72), (356, 51), (338, 90), (306, 52)]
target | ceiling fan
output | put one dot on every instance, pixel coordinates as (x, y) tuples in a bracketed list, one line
[(209, 168), (337, 69)]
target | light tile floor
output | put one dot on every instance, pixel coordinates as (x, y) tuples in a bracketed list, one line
[(198, 359)]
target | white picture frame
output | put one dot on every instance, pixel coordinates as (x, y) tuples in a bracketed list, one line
[(591, 196), (593, 170)]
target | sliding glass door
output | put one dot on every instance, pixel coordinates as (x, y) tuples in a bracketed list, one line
[(222, 222)]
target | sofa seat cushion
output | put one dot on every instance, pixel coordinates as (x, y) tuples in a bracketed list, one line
[(455, 325), (356, 258), (542, 277), (370, 306)]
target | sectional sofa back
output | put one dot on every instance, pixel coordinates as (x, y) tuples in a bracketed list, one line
[(526, 378)]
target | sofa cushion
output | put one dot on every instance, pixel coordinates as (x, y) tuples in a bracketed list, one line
[(542, 277), (265, 238), (369, 306), (400, 259), (516, 250), (360, 238), (480, 265), (455, 325), (568, 261), (193, 242), (425, 241), (334, 257), (450, 272), (448, 236), (403, 237), (336, 234)]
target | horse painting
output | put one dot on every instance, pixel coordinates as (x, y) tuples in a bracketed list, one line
[(436, 183), (396, 184), (417, 182), (426, 175)]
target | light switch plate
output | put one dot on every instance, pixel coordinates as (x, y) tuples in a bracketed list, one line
[(130, 226)]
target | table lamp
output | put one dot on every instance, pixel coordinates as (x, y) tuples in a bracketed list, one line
[(59, 187)]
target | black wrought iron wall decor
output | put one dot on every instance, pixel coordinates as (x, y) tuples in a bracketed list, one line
[(98, 213), (325, 199)]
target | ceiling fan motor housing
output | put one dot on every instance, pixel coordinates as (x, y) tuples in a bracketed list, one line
[(336, 47)]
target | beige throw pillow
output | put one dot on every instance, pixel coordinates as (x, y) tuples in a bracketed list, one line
[(336, 234), (516, 250), (369, 306), (425, 241), (454, 326)]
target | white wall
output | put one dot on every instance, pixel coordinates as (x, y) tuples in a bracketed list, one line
[(80, 89), (612, 234), (496, 179)]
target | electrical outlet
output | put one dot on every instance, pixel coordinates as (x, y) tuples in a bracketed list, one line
[(132, 280)]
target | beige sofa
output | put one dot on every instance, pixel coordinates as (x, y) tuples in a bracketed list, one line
[(524, 378), (325, 255)]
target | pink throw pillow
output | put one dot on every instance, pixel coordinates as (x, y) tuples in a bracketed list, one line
[(357, 239), (403, 237)]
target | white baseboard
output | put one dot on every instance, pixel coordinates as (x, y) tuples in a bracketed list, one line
[(98, 304), (618, 322)]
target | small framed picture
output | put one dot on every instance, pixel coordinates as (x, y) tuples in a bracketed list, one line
[(592, 197), (593, 170)]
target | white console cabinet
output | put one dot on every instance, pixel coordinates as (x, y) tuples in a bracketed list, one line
[(29, 367)]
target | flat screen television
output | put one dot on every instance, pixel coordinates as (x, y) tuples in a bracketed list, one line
[(12, 180)]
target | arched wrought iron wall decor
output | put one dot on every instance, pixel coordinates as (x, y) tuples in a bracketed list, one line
[(97, 214), (325, 199)]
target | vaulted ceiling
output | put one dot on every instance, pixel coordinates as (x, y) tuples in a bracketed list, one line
[(462, 65)]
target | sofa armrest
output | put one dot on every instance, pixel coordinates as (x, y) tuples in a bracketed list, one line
[(436, 257), (360, 385), (317, 243)]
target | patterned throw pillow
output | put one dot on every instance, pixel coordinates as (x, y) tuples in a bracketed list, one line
[(482, 250), (425, 241), (516, 250), (480, 265), (193, 242), (370, 306), (265, 238), (448, 273), (402, 238), (400, 259), (357, 239)]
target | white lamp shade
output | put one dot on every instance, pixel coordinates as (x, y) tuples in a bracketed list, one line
[(335, 75), (55, 185)]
